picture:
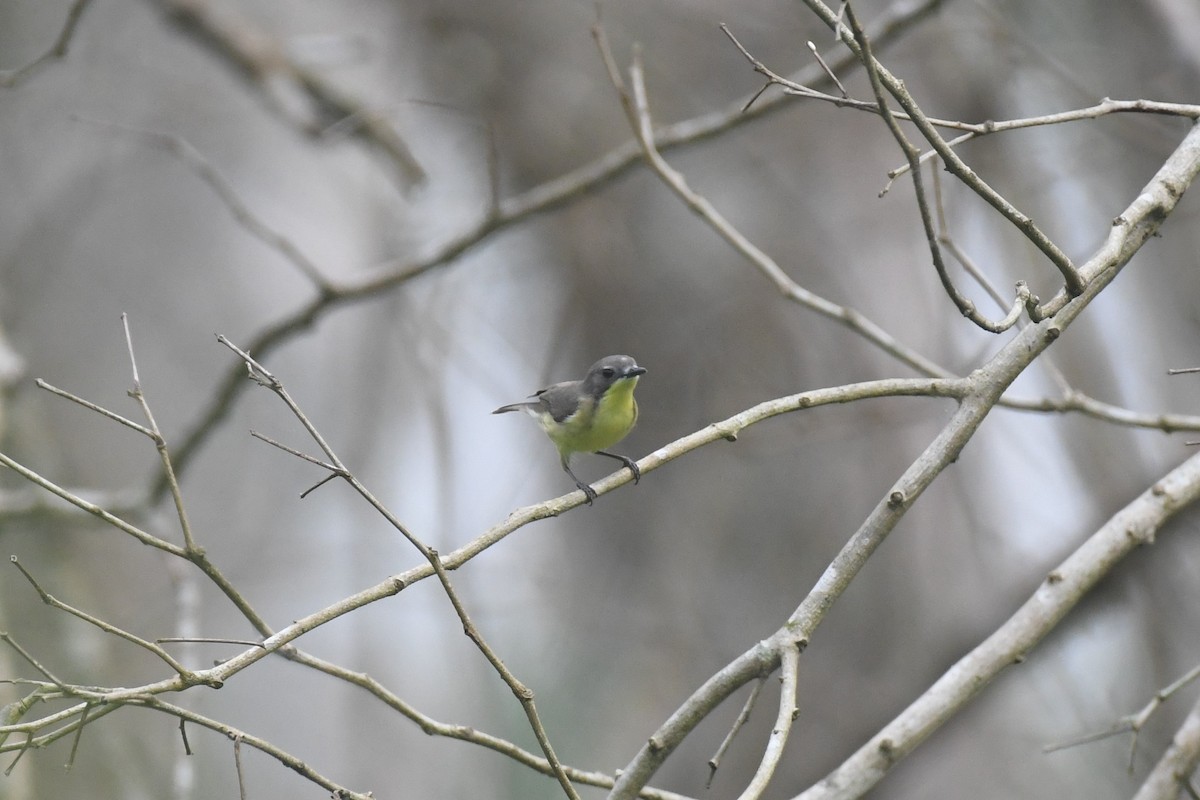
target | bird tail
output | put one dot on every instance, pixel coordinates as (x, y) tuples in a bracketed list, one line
[(511, 407)]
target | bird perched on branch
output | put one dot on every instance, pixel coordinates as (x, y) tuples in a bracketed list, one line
[(588, 415)]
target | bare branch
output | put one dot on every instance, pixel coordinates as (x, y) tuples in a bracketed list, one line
[(293, 451), (637, 111), (965, 306), (895, 87), (553, 194), (206, 640), (128, 423), (290, 761), (1132, 723), (107, 627), (91, 508), (83, 720), (1102, 109), (228, 196), (773, 753), (11, 78), (797, 88), (1141, 219), (257, 57), (160, 444), (832, 77), (23, 653), (1064, 587), (523, 694), (714, 763), (464, 733)]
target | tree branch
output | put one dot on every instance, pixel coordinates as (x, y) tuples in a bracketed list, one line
[(1141, 220)]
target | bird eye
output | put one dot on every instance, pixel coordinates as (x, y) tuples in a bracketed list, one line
[(609, 372)]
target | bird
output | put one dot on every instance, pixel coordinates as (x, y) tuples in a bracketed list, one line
[(588, 415)]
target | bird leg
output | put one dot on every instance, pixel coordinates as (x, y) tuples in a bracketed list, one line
[(588, 492), (629, 462)]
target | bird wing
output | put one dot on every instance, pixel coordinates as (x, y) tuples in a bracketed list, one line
[(561, 400)]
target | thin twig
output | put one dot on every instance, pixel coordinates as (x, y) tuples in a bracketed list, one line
[(817, 55), (256, 56), (237, 763), (773, 752), (107, 627), (206, 640), (91, 508), (1074, 281), (200, 166), (1131, 723), (912, 153), (128, 423), (1175, 768), (637, 112), (160, 444), (1141, 220), (190, 552), (187, 746), (10, 78), (569, 187), (714, 763), (971, 268), (70, 720), (971, 130), (522, 692), (83, 720), (1105, 107), (262, 745), (293, 451), (21, 651), (464, 733)]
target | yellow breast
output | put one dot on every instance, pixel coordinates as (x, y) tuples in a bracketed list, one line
[(597, 426)]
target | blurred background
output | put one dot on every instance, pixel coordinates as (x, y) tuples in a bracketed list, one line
[(612, 614)]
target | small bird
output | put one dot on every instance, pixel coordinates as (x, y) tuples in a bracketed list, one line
[(589, 415)]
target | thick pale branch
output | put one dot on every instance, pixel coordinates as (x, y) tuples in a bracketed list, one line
[(635, 103), (1066, 585), (773, 752), (1174, 770), (1141, 220)]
